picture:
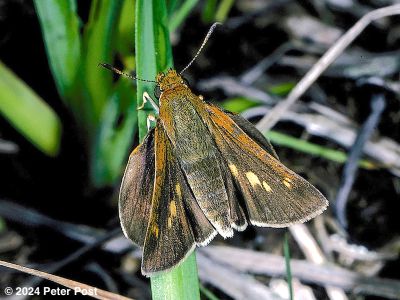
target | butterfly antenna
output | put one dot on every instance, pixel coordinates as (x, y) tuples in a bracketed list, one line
[(210, 31), (115, 70)]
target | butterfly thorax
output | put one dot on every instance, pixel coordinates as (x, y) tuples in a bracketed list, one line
[(169, 80)]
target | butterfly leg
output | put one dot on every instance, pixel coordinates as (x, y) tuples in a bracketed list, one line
[(150, 118), (147, 98)]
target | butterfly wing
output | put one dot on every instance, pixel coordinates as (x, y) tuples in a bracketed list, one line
[(136, 191), (252, 132), (274, 195), (171, 235)]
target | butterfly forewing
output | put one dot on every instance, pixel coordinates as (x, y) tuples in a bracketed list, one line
[(136, 191), (251, 131), (274, 195)]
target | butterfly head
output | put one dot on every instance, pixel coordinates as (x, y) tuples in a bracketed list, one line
[(169, 80)]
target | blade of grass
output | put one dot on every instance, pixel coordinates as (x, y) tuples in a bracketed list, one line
[(207, 293), (223, 10), (98, 39), (209, 10), (108, 141), (181, 283), (3, 226), (119, 118), (28, 113), (114, 140), (152, 37), (181, 14), (286, 252), (313, 149), (126, 31), (163, 48), (238, 104), (60, 27), (146, 66), (171, 6)]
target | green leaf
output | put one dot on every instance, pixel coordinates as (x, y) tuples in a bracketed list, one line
[(209, 11), (207, 293), (314, 149), (281, 89), (114, 140), (181, 14), (28, 113), (99, 40), (126, 33), (164, 59), (286, 251), (146, 65), (180, 283), (60, 27), (223, 10), (154, 54), (238, 104), (171, 6), (3, 226)]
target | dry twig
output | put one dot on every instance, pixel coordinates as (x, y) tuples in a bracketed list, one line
[(248, 261), (323, 63)]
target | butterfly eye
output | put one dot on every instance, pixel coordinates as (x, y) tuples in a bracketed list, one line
[(157, 91)]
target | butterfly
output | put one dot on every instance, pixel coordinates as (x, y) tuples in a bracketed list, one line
[(203, 171)]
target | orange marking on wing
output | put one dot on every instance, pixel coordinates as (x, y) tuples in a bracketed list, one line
[(222, 120)]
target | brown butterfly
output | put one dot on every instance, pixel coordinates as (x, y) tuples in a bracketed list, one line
[(203, 171)]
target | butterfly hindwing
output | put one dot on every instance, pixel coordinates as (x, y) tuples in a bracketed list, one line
[(171, 235), (202, 230), (136, 191), (274, 195)]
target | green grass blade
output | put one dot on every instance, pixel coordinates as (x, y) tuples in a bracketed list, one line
[(223, 10), (60, 27), (181, 283), (99, 39), (164, 59), (152, 37), (181, 14), (286, 252), (3, 226), (146, 65), (207, 293), (238, 104), (171, 6), (118, 122), (313, 149), (28, 113), (126, 32), (114, 140), (209, 11)]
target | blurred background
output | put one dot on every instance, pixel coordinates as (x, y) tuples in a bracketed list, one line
[(67, 128)]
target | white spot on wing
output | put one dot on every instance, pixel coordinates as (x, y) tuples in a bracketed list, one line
[(253, 179), (266, 186), (286, 181), (234, 170)]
